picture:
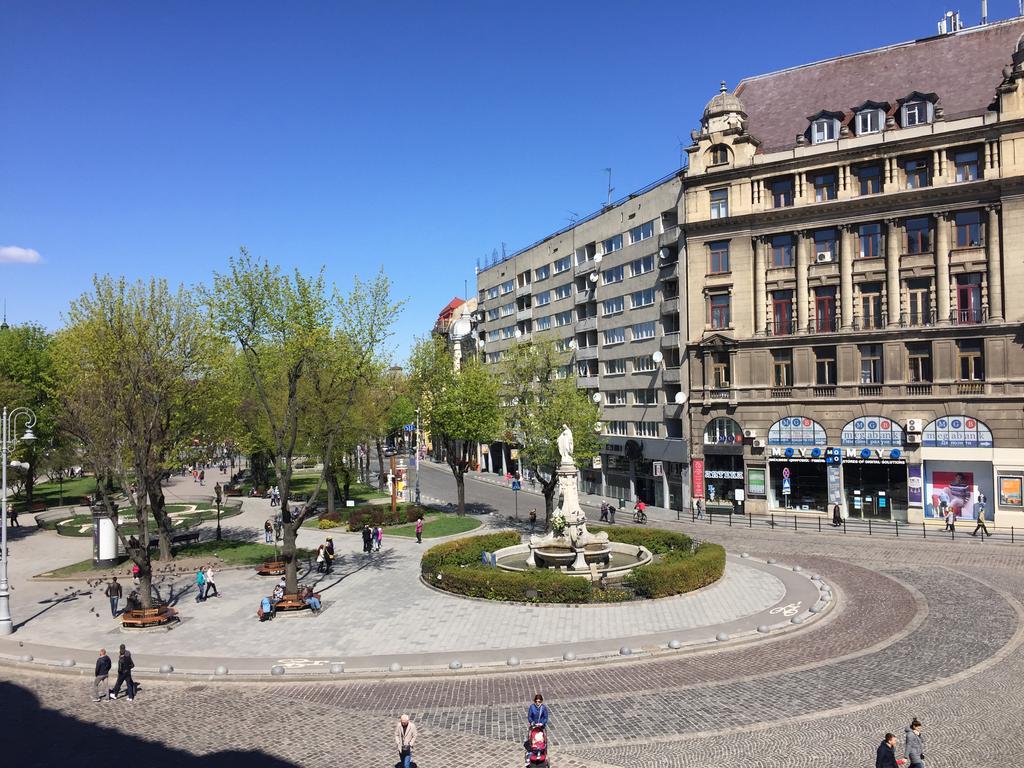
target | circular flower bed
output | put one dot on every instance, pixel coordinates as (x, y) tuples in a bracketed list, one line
[(679, 566)]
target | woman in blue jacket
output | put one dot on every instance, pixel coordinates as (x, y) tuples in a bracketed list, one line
[(538, 714)]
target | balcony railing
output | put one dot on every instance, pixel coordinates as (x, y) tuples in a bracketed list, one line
[(587, 323), (824, 392), (670, 375), (587, 353), (970, 388), (582, 297), (669, 306), (719, 394), (918, 319), (918, 390), (782, 393), (784, 328), (670, 341), (525, 313), (869, 390), (669, 237), (587, 382), (969, 316), (828, 324), (587, 266)]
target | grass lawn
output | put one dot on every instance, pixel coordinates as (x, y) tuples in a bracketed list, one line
[(51, 493), (228, 551), (303, 484), (435, 527), (191, 514)]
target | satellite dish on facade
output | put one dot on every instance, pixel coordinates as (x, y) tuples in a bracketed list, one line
[(593, 277), (657, 356), (598, 258), (598, 427), (572, 343), (596, 397), (519, 334), (680, 397), (480, 344)]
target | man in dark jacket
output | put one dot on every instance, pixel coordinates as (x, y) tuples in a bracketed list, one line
[(124, 674), (367, 538), (114, 593), (885, 757), (99, 683)]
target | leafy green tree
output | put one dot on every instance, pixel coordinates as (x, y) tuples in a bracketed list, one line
[(538, 403)]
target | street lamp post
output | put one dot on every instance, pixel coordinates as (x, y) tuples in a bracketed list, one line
[(419, 456), (10, 440)]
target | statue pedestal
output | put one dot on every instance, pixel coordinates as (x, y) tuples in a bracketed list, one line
[(580, 564)]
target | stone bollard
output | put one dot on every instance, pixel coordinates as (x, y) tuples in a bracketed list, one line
[(277, 670), (395, 667), (68, 663), (455, 664), (721, 636), (166, 669), (674, 644), (221, 670), (568, 656), (337, 667), (512, 661)]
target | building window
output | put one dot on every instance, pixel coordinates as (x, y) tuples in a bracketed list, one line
[(645, 397), (825, 187), (870, 179), (646, 428), (918, 173), (719, 203), (613, 275), (825, 246), (870, 239), (968, 299), (782, 313), (492, 292), (615, 397), (563, 264), (915, 113), (612, 244), (586, 368), (616, 428), (919, 301), (644, 298), (643, 331), (563, 291), (493, 314), (966, 163), (508, 309), (644, 231), (782, 367), (543, 323), (919, 363), (871, 305), (718, 257), (562, 345), (614, 336), (507, 287), (644, 364), (718, 304), (971, 359), (782, 192), (968, 229), (782, 250), (719, 154), (869, 121), (825, 309), (919, 235), (870, 363), (508, 332), (642, 266), (825, 366), (615, 367), (563, 372), (543, 298), (720, 370), (542, 273), (613, 306), (823, 130), (563, 318)]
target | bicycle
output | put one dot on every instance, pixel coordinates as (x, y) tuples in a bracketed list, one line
[(639, 516)]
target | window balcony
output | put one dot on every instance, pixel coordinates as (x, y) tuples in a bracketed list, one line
[(525, 314), (869, 390), (918, 390), (669, 238), (825, 324), (582, 297), (587, 382), (718, 394), (785, 328), (586, 267), (970, 388), (781, 393), (524, 290), (674, 410), (825, 392), (670, 341), (968, 316), (668, 271), (670, 376), (587, 324), (587, 353), (670, 306)]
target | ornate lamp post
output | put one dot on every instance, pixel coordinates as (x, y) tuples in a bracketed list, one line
[(10, 440)]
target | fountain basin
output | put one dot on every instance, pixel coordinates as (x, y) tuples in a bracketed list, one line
[(613, 559)]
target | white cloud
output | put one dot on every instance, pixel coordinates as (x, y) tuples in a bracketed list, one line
[(12, 254)]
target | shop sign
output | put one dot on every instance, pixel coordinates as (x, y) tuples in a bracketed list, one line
[(872, 431), (595, 463), (697, 479), (915, 485), (797, 454), (756, 481), (723, 474), (874, 456), (957, 432), (796, 430), (835, 489), (1010, 491), (657, 469)]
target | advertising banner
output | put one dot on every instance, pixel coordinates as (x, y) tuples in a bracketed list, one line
[(1010, 491), (915, 485), (951, 491), (756, 481), (697, 479)]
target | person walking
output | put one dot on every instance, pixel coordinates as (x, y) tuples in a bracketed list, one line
[(538, 712), (980, 506), (367, 536), (268, 532), (405, 740), (200, 585), (101, 675), (419, 529), (378, 538), (611, 514), (125, 665), (114, 592), (914, 744), (885, 755), (12, 518), (700, 509), (837, 517), (210, 583), (950, 519), (320, 567), (329, 555), (202, 477), (533, 518), (604, 512)]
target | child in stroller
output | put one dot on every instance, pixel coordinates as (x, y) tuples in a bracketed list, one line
[(537, 747)]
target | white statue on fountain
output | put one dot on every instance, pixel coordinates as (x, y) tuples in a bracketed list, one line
[(575, 536)]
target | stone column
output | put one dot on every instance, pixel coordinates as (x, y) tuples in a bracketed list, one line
[(892, 271), (846, 247), (802, 245), (705, 357), (995, 265), (942, 268), (760, 290)]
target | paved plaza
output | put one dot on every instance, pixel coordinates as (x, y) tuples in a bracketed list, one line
[(930, 629)]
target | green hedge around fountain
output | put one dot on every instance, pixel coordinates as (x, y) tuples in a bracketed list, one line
[(679, 568)]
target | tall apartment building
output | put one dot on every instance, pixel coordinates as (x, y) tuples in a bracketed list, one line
[(855, 239), (607, 291)]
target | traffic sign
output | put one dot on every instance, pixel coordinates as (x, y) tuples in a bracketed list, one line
[(409, 427), (785, 473), (785, 486), (517, 485)]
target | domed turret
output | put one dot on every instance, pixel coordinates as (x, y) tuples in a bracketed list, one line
[(724, 103)]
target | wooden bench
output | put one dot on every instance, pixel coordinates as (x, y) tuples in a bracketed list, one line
[(233, 492), (293, 603), (36, 506), (85, 501), (271, 568), (149, 617), (180, 538)]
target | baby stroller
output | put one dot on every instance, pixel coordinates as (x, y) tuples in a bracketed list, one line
[(266, 610), (536, 746)]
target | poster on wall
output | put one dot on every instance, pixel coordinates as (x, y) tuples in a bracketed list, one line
[(755, 481), (697, 478), (874, 431), (951, 491), (915, 485), (956, 432), (1010, 491), (796, 430)]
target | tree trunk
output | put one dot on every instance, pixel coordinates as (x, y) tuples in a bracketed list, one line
[(380, 463), (330, 491), (460, 481), (158, 505), (346, 473), (288, 550), (550, 489)]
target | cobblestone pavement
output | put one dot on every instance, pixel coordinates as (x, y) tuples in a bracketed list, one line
[(922, 629)]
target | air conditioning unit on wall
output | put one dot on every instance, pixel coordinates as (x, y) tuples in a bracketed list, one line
[(750, 433), (758, 443), (824, 257), (913, 438), (913, 425)]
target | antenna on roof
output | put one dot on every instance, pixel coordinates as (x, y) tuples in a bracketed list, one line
[(610, 187), (4, 326), (950, 23), (984, 11)]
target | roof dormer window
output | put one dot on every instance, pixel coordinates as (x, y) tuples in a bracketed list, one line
[(870, 121), (915, 113), (824, 129), (719, 154)]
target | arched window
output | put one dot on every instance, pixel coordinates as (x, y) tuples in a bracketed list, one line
[(718, 155), (796, 430), (957, 432), (723, 431), (876, 431)]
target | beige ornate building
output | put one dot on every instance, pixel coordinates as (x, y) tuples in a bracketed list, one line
[(854, 239)]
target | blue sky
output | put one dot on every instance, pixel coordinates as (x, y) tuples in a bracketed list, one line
[(156, 138)]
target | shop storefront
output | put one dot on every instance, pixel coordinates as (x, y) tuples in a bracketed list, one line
[(797, 473), (957, 453), (874, 474), (723, 464)]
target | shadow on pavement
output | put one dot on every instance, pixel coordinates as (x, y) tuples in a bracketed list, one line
[(36, 736)]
